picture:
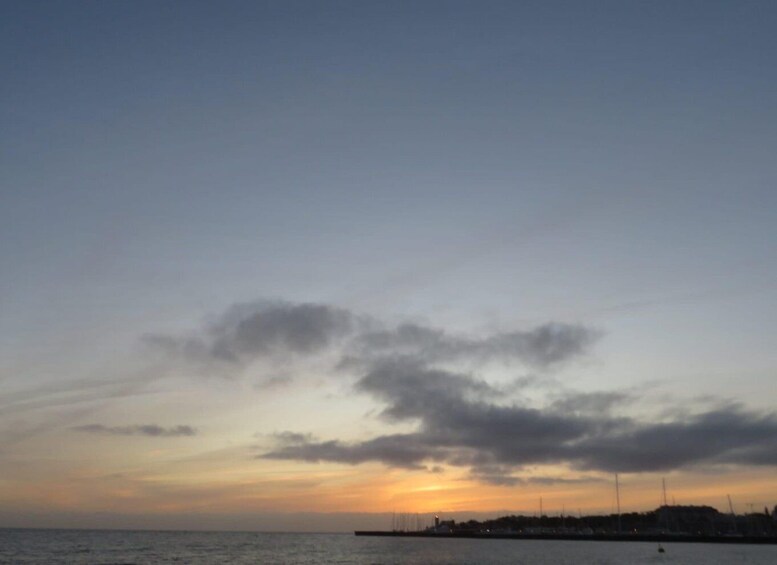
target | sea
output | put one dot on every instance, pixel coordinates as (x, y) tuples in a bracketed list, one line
[(113, 547)]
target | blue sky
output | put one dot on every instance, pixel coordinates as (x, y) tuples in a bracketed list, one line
[(477, 167)]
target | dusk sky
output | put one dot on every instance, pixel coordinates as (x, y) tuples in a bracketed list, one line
[(296, 265)]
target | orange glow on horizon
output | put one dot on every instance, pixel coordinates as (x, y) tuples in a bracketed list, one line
[(375, 489)]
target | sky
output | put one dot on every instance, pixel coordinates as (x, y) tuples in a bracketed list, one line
[(300, 265)]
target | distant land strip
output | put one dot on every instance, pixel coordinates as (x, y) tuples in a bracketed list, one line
[(661, 538)]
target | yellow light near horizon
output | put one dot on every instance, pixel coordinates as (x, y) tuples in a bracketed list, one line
[(427, 488), (376, 489)]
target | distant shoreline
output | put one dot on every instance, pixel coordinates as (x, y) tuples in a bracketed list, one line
[(661, 538)]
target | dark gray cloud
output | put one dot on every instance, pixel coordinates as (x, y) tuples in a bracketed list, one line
[(413, 391), (246, 332), (151, 430), (288, 331), (294, 328), (456, 410), (503, 476), (399, 450), (292, 437), (461, 422), (498, 475), (563, 481), (730, 435)]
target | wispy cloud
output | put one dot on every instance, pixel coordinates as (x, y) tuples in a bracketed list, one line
[(542, 346), (151, 430)]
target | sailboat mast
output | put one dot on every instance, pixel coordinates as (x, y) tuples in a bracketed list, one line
[(733, 516), (663, 483), (618, 500)]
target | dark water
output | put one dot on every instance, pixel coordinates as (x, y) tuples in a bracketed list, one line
[(103, 547)]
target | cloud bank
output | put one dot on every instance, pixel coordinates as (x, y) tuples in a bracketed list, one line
[(460, 422), (414, 371)]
